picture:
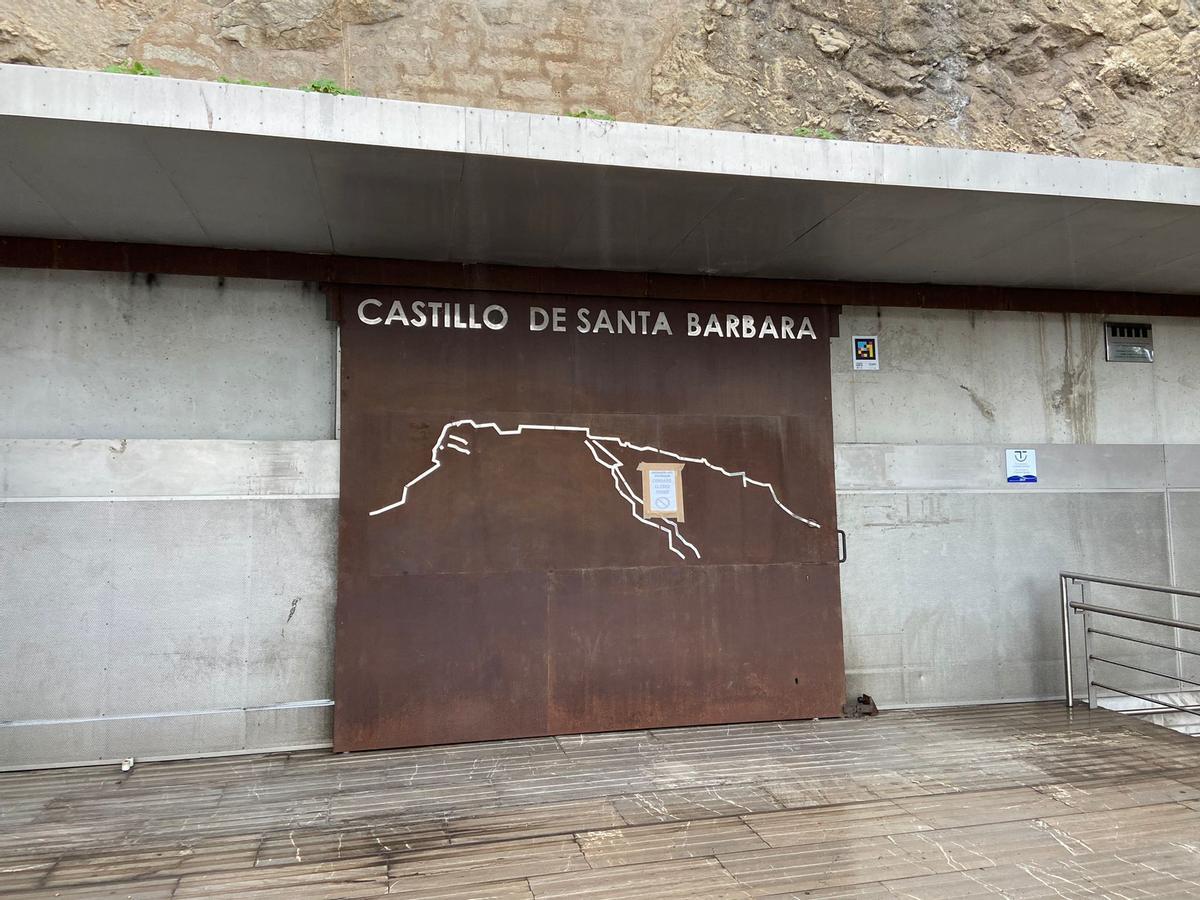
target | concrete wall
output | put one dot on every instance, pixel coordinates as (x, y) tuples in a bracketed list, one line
[(168, 481), (87, 355), (168, 524), (950, 591), (960, 377)]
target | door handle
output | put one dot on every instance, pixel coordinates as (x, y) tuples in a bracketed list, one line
[(842, 547)]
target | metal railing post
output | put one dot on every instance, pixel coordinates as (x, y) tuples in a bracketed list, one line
[(1087, 648), (1090, 610), (1066, 628)]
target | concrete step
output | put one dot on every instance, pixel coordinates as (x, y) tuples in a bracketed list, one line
[(1183, 722)]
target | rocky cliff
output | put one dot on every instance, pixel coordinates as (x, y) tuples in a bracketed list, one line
[(1100, 78)]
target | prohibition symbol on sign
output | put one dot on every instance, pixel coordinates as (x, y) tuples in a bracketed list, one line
[(662, 490)]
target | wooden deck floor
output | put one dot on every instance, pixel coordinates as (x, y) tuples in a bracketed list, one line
[(1014, 801)]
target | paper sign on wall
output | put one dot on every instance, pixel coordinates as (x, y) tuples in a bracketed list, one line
[(662, 490), (1021, 466), (866, 353)]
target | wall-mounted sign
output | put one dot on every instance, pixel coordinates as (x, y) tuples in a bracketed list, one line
[(1020, 466), (662, 490), (670, 320), (866, 353), (548, 405)]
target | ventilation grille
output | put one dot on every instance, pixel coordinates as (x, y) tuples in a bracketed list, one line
[(1128, 342)]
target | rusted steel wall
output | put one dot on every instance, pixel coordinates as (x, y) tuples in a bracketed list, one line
[(509, 588), (100, 256)]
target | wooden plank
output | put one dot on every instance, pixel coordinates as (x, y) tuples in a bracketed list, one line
[(819, 825), (674, 840), (492, 890), (903, 855), (21, 875), (1022, 801), (348, 878), (1002, 805), (1119, 793), (685, 880), (1122, 829), (380, 840), (851, 787), (135, 862), (691, 804), (430, 873), (530, 821), (155, 889)]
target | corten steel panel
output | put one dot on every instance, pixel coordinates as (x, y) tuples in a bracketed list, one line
[(515, 592), (97, 256)]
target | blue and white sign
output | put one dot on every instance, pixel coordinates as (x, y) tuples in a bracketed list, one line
[(1021, 466)]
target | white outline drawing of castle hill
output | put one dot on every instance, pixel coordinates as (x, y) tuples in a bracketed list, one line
[(596, 444)]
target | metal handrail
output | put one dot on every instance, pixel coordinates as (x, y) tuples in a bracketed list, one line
[(1132, 667), (1186, 709), (1137, 617), (1155, 712), (1139, 585), (1133, 640), (1065, 579)]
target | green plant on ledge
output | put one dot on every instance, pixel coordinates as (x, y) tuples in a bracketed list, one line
[(325, 86), (823, 134), (223, 80), (130, 67), (586, 113)]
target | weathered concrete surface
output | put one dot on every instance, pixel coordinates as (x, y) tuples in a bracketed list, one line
[(961, 377), (1104, 78), (1092, 468), (86, 355), (211, 607), (949, 594), (92, 470), (214, 606), (950, 597), (168, 612)]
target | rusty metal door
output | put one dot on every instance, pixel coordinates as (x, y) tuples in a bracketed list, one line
[(500, 574)]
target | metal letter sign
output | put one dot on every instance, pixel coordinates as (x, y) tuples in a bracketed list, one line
[(514, 559)]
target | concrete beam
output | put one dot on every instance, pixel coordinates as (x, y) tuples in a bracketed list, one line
[(104, 157)]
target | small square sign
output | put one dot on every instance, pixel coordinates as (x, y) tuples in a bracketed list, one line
[(1020, 466), (662, 490), (866, 353)]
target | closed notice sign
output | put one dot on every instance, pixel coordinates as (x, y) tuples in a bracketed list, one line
[(563, 516)]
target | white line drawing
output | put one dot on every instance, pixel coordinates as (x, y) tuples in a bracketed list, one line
[(596, 446)]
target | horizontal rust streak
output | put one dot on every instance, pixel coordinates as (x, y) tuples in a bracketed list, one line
[(45, 253)]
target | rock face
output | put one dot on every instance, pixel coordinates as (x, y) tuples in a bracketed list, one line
[(1107, 78), (1101, 78)]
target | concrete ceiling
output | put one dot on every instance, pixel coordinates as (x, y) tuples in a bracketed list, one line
[(153, 160)]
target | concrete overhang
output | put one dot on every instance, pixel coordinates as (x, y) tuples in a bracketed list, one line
[(99, 157)]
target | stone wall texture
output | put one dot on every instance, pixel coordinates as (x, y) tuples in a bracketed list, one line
[(1102, 78)]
